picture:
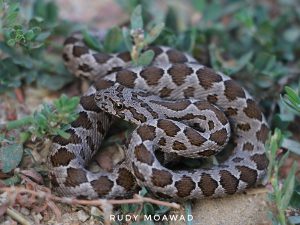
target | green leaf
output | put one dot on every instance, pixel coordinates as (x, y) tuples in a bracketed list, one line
[(10, 157), (154, 33), (113, 39), (92, 41), (136, 20), (146, 58), (288, 187), (11, 42), (127, 38)]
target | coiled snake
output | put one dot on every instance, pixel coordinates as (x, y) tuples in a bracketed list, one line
[(179, 106)]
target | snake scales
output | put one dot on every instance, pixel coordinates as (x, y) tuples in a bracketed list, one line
[(178, 106)]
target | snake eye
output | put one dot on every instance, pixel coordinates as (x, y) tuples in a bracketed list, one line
[(119, 106)]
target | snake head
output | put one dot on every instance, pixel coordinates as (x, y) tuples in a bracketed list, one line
[(111, 100)]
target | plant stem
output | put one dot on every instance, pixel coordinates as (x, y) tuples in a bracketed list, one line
[(16, 123)]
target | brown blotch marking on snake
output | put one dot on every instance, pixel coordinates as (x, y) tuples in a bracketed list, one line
[(102, 185), (207, 153), (237, 159), (152, 74), (70, 40), (137, 116), (228, 182), (207, 77), (137, 173), (244, 126), (75, 177), (148, 108), (125, 56), (89, 104), (191, 116), (248, 146), (177, 145), (65, 57), (179, 72), (146, 132), (176, 106), (194, 137), (262, 134), (207, 185), (73, 139), (233, 90), (211, 125), (219, 136), (103, 84), (176, 56), (85, 68), (162, 141), (161, 178), (206, 105), (247, 175), (79, 50), (101, 57), (169, 127), (90, 143), (165, 92), (62, 157), (185, 186), (157, 50), (189, 92), (231, 111), (125, 179), (143, 155), (212, 98), (82, 121), (126, 78), (261, 161), (252, 110)]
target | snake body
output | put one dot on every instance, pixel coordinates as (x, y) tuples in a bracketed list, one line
[(179, 106)]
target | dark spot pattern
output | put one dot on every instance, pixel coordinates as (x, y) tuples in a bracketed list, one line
[(212, 98), (176, 106), (75, 177), (228, 182), (101, 57), (244, 126), (89, 104), (125, 179), (262, 134), (143, 155), (161, 178), (219, 136), (248, 146), (146, 132), (82, 121), (62, 157), (248, 175), (125, 56), (165, 92), (233, 90), (102, 185), (261, 161), (177, 145), (137, 173), (126, 78), (194, 137), (169, 127), (179, 72), (138, 116), (185, 186), (152, 75), (79, 51), (176, 56), (207, 185), (189, 92), (252, 110), (73, 139), (207, 77)]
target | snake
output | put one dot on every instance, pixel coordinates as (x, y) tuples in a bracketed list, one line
[(178, 107)]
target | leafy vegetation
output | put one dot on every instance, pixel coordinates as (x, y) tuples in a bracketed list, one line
[(255, 42)]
